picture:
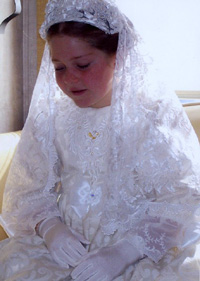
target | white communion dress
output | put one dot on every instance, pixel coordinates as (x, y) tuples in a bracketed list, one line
[(82, 147), (130, 170)]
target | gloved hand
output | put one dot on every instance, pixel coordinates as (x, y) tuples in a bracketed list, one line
[(64, 244), (106, 263)]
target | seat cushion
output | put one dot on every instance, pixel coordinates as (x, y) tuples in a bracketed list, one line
[(8, 144), (193, 112)]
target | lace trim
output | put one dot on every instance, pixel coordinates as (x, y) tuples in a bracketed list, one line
[(102, 14)]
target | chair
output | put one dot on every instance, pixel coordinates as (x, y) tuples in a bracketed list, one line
[(8, 144)]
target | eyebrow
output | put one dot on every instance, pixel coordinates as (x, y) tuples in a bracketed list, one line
[(74, 58)]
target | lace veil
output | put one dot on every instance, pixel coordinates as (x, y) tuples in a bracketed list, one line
[(154, 152)]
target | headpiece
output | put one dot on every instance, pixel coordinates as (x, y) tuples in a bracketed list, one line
[(102, 14)]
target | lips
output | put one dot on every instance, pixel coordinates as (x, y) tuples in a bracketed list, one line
[(78, 92)]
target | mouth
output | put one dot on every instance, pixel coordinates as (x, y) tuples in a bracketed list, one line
[(78, 92)]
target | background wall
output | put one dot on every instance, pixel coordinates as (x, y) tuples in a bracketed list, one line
[(11, 100), (171, 32), (40, 18), (169, 28)]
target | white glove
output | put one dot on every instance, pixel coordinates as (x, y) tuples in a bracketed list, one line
[(106, 263), (64, 244)]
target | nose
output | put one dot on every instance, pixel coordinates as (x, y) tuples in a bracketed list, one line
[(70, 77)]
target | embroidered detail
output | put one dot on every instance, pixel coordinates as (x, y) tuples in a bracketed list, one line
[(87, 152), (90, 197), (93, 135)]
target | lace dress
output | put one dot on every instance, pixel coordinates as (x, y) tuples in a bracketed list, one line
[(82, 142)]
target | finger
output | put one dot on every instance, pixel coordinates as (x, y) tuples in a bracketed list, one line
[(93, 277), (71, 257), (97, 277), (80, 249), (87, 275), (80, 237), (60, 259), (84, 241), (79, 270)]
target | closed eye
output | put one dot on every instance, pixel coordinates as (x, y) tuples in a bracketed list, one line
[(83, 66), (59, 68)]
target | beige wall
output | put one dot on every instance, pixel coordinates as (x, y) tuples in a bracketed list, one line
[(40, 18), (17, 57), (11, 116)]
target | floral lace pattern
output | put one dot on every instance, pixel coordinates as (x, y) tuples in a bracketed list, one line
[(102, 14), (140, 168), (158, 180), (28, 259), (33, 167)]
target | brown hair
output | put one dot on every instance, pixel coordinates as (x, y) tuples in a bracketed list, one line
[(95, 37)]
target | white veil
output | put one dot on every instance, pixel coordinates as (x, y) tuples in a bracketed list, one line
[(154, 153)]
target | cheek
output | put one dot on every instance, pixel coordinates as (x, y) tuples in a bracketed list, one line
[(59, 81), (106, 76), (100, 78), (89, 79)]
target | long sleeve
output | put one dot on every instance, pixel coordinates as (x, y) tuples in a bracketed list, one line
[(155, 235), (29, 194), (156, 203)]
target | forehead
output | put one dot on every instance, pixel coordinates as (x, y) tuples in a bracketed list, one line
[(69, 47)]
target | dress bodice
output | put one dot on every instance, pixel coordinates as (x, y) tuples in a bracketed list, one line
[(82, 141)]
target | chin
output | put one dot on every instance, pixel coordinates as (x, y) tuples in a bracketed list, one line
[(82, 104)]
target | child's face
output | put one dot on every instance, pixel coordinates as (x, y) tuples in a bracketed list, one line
[(83, 73)]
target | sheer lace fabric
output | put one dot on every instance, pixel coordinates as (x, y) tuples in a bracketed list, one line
[(32, 173), (129, 170), (102, 14), (134, 210), (84, 141)]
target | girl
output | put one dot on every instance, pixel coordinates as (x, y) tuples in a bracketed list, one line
[(105, 182)]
